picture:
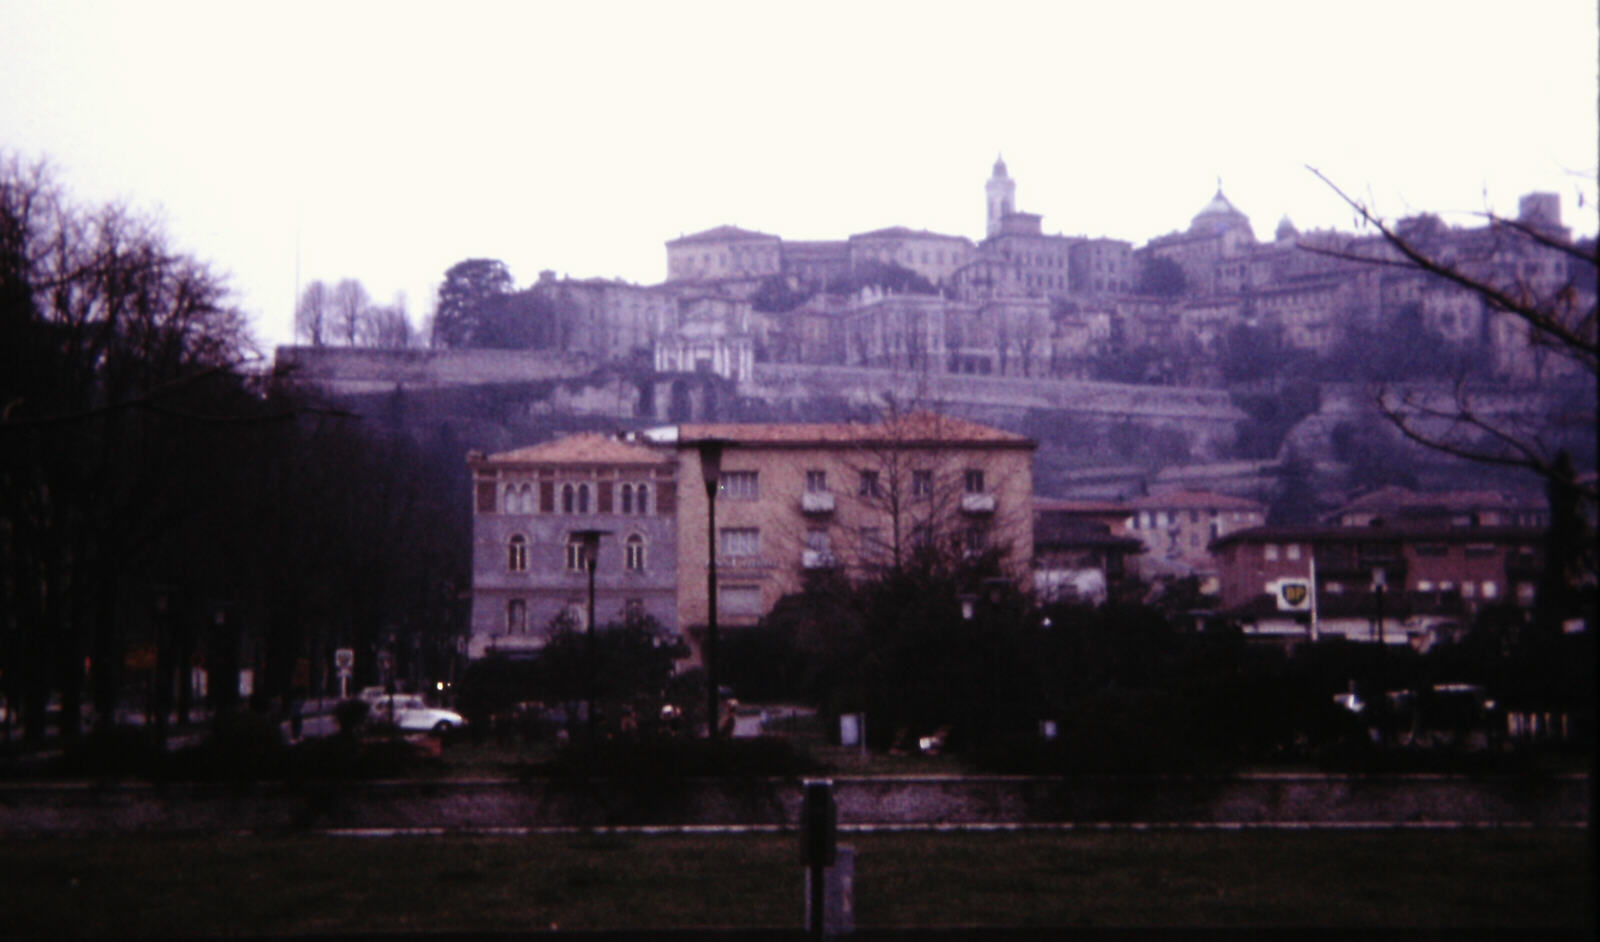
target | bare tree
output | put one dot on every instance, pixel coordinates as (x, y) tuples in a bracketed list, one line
[(1552, 318), (112, 349), (312, 314), (349, 305), (387, 326), (929, 496)]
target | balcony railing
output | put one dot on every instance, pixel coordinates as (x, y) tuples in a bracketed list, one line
[(816, 559), (977, 503), (816, 502)]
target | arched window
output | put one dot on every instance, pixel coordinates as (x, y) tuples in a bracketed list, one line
[(627, 498), (575, 555), (511, 499), (527, 498), (517, 553), (634, 553), (583, 498), (517, 617), (644, 499), (567, 503)]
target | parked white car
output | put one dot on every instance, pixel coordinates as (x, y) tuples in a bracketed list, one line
[(411, 713)]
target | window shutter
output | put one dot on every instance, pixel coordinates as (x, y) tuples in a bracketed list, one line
[(603, 502), (486, 495), (666, 498), (547, 497)]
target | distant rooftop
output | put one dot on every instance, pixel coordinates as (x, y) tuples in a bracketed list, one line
[(583, 448), (918, 428)]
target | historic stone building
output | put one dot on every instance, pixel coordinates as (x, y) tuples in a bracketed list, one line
[(726, 252), (528, 575)]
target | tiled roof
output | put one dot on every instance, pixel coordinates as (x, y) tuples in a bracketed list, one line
[(1196, 500), (1079, 506), (1399, 498), (720, 234), (1432, 533), (917, 428), (583, 448), (902, 232)]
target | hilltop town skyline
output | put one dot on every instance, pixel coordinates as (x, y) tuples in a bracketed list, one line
[(381, 145)]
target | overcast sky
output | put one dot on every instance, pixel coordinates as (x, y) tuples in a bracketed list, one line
[(289, 141)]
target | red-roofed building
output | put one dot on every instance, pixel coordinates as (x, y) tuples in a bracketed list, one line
[(527, 571), (1080, 552), (1398, 506), (1177, 529), (1430, 574), (845, 496)]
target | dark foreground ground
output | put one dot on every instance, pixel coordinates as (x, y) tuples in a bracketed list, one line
[(1122, 884)]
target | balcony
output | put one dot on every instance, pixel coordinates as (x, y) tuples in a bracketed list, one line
[(977, 503), (817, 559), (816, 502)]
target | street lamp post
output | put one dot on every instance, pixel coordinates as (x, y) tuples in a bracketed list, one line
[(1380, 580), (589, 540), (710, 450)]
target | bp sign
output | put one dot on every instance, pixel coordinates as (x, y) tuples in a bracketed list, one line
[(1294, 595)]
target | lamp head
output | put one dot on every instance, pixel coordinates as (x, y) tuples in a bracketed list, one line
[(590, 540), (711, 450)]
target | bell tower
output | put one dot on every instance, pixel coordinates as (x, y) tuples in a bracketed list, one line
[(1002, 193)]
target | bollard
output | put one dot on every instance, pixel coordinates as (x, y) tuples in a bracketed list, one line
[(839, 895), (818, 849)]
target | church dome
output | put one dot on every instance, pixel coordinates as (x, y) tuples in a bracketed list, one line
[(1219, 215), (1286, 230), (999, 167)]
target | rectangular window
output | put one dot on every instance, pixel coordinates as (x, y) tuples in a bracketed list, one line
[(871, 544), (486, 495), (1269, 552), (739, 600), (517, 617), (817, 541), (922, 484), (1431, 549), (1292, 551), (740, 485), (816, 482), (547, 497), (869, 484), (1479, 551), (740, 541), (974, 480), (1491, 590)]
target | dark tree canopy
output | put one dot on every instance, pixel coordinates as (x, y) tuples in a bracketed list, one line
[(465, 296), (1161, 276), (886, 275)]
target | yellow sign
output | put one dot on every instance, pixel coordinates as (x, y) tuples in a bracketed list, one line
[(1294, 595)]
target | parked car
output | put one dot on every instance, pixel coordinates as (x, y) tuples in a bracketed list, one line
[(412, 713)]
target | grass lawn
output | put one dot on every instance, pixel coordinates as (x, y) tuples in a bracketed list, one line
[(167, 886)]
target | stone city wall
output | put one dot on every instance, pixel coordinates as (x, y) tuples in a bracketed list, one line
[(354, 370)]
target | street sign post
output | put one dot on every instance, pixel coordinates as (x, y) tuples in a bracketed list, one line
[(344, 660)]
